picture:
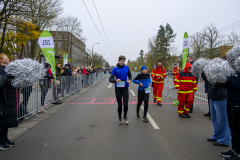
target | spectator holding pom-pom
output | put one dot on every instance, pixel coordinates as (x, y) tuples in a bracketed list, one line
[(8, 115), (217, 93)]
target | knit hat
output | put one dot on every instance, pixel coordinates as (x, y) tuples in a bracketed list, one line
[(143, 67), (159, 60), (66, 65)]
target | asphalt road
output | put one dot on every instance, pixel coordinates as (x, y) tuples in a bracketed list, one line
[(87, 129)]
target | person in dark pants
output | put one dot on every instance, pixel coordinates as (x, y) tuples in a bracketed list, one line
[(204, 77), (46, 83), (8, 115), (191, 61), (65, 79), (121, 72), (144, 82), (233, 110)]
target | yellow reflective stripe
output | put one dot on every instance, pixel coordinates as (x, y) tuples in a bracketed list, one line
[(180, 111), (184, 91), (164, 73), (158, 81), (195, 88), (185, 80), (177, 86), (176, 80), (194, 82), (187, 109), (154, 96), (158, 74)]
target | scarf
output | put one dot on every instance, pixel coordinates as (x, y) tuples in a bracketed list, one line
[(50, 73)]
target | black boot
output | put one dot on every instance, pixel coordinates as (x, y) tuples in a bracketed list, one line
[(154, 101), (182, 116), (159, 104), (187, 115), (7, 141)]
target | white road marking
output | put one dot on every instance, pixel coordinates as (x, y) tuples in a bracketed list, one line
[(132, 93), (155, 126), (110, 85)]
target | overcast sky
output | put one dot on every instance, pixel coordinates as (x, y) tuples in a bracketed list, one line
[(130, 23)]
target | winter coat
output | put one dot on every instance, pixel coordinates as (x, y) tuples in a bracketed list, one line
[(204, 77), (186, 81), (46, 81), (217, 91), (158, 71), (144, 79), (58, 72), (7, 101), (175, 72), (233, 92)]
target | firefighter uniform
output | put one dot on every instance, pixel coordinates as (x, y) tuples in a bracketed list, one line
[(186, 82), (175, 73), (158, 72)]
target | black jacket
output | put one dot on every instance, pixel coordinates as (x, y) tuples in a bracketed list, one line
[(234, 88), (7, 101), (46, 81), (217, 91), (204, 77), (66, 73)]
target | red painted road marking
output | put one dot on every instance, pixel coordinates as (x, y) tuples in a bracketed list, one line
[(107, 101)]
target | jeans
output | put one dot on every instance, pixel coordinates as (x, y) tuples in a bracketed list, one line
[(44, 91), (219, 118)]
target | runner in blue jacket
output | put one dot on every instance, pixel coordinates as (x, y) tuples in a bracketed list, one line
[(144, 81)]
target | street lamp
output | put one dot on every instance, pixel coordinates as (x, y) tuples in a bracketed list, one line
[(92, 52)]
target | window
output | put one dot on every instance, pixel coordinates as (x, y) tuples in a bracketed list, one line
[(59, 52), (59, 44), (29, 43), (59, 35)]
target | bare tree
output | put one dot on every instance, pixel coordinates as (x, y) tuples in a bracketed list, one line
[(42, 13), (197, 44), (213, 40), (71, 24), (233, 39)]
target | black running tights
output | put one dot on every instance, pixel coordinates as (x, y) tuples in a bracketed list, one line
[(142, 96), (122, 93)]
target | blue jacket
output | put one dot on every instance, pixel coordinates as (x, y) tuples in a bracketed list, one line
[(144, 79), (122, 73)]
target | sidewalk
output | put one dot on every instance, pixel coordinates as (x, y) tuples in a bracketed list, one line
[(32, 120)]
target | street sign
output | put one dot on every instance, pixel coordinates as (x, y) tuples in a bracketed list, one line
[(65, 59)]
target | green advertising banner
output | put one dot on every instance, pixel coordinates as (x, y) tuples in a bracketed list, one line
[(46, 44), (185, 49)]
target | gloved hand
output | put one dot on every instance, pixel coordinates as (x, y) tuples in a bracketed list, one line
[(10, 76)]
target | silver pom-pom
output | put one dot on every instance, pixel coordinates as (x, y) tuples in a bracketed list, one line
[(233, 55), (199, 65), (26, 72), (218, 71), (236, 64)]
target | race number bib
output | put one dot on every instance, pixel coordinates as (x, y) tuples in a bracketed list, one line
[(147, 90), (121, 84)]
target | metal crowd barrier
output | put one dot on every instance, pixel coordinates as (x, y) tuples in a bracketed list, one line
[(40, 96), (200, 97)]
